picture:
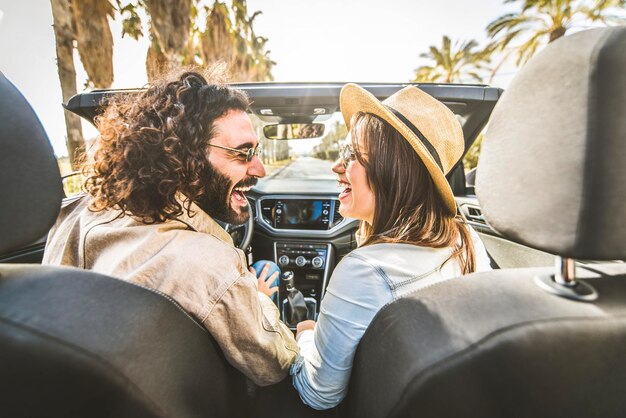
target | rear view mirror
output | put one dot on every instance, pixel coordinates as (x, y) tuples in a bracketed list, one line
[(294, 130)]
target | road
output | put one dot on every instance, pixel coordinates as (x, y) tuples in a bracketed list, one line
[(305, 168)]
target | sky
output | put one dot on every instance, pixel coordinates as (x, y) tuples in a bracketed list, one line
[(310, 40)]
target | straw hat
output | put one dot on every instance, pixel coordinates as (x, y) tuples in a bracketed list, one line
[(430, 127)]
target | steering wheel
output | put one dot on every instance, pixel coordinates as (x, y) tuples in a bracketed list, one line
[(241, 234)]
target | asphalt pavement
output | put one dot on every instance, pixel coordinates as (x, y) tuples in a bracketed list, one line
[(305, 168)]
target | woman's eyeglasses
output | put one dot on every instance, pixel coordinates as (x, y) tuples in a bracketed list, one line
[(248, 154), (347, 154)]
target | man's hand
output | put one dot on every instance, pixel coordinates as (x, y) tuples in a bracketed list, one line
[(265, 282), (304, 325)]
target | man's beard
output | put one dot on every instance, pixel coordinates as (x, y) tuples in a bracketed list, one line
[(217, 197)]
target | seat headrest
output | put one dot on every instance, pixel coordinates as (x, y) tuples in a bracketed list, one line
[(552, 171), (30, 183)]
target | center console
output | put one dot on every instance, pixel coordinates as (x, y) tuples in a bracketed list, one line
[(310, 262), (301, 229)]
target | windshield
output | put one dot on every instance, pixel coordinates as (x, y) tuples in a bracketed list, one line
[(303, 159)]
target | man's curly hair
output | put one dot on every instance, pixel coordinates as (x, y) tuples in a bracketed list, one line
[(153, 146)]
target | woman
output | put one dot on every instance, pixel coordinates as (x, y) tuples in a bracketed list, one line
[(392, 172)]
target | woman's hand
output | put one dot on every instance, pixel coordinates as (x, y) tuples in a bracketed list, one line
[(304, 325), (265, 282)]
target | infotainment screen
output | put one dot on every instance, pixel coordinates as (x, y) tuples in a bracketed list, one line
[(302, 214)]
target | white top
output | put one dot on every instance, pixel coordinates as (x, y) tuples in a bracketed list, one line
[(365, 280)]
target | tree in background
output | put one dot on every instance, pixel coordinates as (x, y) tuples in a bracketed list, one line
[(543, 21), (94, 40), (454, 63), (84, 22), (235, 41), (170, 35), (328, 149), (470, 160), (175, 41), (538, 23)]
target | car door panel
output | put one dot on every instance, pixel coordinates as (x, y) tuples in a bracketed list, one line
[(503, 252)]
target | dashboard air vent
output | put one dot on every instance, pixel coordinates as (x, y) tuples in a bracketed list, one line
[(267, 208), (336, 215), (473, 213)]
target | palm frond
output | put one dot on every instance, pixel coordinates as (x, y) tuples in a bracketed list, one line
[(475, 76), (504, 42), (437, 55), (453, 61), (425, 55), (502, 22), (528, 52), (528, 48), (531, 4), (608, 4), (510, 22), (468, 46)]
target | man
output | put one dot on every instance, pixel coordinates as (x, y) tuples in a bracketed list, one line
[(166, 163)]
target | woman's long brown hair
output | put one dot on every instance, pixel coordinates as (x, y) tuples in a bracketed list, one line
[(408, 208)]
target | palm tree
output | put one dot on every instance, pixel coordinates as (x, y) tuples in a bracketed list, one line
[(235, 42), (85, 22), (170, 35), (94, 40), (454, 62), (64, 36), (543, 21), (216, 42), (175, 41)]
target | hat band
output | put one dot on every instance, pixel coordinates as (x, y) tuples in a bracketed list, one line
[(422, 138)]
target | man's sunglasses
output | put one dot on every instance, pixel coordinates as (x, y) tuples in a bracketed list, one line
[(247, 153), (347, 154)]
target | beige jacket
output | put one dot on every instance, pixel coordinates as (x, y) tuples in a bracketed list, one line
[(193, 260)]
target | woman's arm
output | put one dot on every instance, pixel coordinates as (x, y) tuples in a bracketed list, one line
[(356, 292)]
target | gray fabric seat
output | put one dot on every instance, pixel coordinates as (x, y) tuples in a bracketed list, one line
[(498, 344), (495, 345), (78, 344)]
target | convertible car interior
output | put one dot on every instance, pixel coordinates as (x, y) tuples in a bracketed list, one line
[(542, 335)]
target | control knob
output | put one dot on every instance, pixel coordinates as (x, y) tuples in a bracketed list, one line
[(317, 262), (283, 260), (300, 261)]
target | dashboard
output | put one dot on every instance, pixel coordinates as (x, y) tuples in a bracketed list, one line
[(302, 233)]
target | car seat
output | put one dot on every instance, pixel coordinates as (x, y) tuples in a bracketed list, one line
[(537, 342), (74, 343)]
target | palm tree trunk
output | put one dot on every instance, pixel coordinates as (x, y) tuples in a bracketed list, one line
[(170, 29), (64, 35), (157, 63), (94, 39), (557, 33)]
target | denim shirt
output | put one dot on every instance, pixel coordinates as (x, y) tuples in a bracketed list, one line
[(364, 281)]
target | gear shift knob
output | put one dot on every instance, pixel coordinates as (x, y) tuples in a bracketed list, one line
[(295, 299), (288, 279)]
